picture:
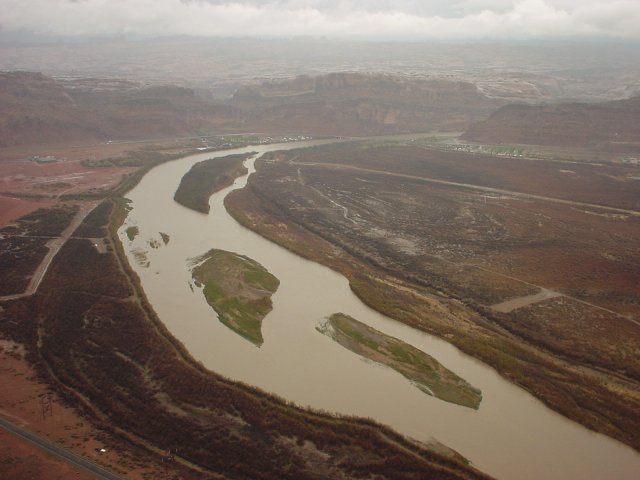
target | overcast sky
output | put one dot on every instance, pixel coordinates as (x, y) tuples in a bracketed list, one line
[(367, 19)]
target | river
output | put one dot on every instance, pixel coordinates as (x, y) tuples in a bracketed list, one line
[(511, 436)]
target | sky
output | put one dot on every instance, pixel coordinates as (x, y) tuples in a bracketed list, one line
[(356, 19)]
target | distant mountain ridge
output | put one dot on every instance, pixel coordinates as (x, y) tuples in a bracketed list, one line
[(364, 104), (611, 126), (36, 109)]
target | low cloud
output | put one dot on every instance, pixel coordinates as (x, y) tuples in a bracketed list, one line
[(384, 19)]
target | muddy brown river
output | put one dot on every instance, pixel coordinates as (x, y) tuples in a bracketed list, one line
[(511, 436)]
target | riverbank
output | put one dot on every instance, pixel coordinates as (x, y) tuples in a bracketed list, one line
[(299, 364), (90, 312), (448, 299)]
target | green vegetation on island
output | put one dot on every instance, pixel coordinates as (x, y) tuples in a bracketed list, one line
[(422, 370), (238, 288), (206, 178), (99, 333), (132, 232)]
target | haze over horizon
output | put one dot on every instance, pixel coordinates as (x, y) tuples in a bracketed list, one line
[(350, 19)]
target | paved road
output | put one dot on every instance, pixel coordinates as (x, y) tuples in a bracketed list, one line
[(59, 452)]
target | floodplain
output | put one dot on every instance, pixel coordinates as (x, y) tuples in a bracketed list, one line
[(436, 239)]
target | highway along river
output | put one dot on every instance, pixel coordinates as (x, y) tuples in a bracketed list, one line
[(511, 436)]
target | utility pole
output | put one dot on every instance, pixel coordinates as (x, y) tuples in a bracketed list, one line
[(46, 402), (168, 460)]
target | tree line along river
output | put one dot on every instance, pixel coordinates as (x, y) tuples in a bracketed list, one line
[(511, 435)]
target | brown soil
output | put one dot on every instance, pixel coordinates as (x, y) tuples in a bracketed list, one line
[(581, 332), (20, 392), (595, 183), (437, 256), (19, 459), (12, 208), (29, 185), (77, 151), (27, 177)]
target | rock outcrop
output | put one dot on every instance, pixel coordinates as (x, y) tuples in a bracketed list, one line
[(363, 104), (611, 126)]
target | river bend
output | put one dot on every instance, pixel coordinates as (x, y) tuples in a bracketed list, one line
[(511, 436)]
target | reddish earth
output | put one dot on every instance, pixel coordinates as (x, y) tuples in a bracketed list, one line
[(26, 185), (35, 109), (19, 459), (19, 403), (12, 208), (55, 179), (79, 150)]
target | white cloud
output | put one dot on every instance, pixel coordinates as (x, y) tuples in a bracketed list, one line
[(414, 19)]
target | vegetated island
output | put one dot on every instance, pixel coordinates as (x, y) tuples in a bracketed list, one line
[(424, 371), (132, 233), (206, 178), (238, 288), (405, 244), (160, 397)]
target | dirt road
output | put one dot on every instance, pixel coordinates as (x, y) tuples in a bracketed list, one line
[(54, 247), (512, 193)]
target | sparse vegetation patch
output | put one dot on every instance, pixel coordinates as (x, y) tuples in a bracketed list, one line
[(132, 233), (23, 245), (239, 289), (424, 371)]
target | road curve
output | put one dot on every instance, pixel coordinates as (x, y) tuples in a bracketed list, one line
[(59, 452)]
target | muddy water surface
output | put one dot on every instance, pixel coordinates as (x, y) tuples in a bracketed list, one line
[(511, 435)]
